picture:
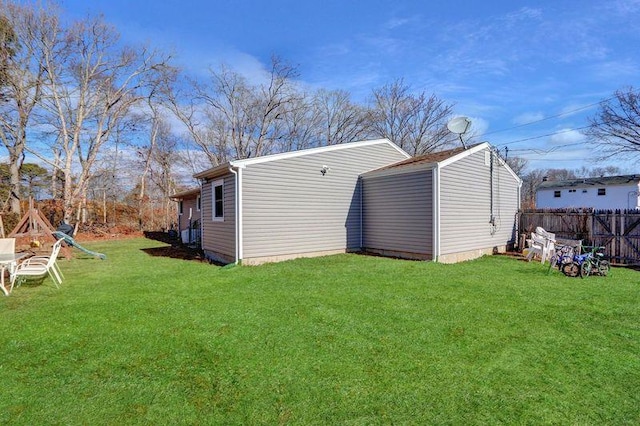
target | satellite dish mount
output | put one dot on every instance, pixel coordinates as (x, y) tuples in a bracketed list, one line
[(459, 126)]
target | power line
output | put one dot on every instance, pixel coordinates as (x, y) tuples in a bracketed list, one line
[(550, 117), (559, 132)]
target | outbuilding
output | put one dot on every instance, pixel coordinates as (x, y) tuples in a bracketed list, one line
[(449, 206)]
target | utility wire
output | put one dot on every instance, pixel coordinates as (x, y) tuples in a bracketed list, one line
[(550, 117), (543, 136)]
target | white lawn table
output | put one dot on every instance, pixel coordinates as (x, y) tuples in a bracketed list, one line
[(10, 260)]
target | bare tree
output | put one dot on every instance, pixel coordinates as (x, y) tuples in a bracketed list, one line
[(301, 124), (229, 117), (92, 84), (340, 119), (615, 129), (24, 29), (517, 164), (161, 159), (416, 123)]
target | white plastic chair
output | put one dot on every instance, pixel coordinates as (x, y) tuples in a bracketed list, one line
[(41, 265), (542, 243), (7, 246)]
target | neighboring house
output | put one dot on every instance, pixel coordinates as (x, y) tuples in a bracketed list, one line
[(449, 206), (612, 192), (189, 215), (294, 204)]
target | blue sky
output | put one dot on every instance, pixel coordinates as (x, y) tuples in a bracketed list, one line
[(502, 63)]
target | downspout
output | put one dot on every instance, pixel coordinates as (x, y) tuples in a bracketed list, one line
[(361, 215), (436, 212), (238, 213)]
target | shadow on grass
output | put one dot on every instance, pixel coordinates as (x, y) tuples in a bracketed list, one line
[(175, 250)]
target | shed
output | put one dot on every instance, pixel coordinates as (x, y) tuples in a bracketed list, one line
[(449, 206), (294, 204)]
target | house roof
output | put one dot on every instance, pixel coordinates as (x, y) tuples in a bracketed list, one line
[(223, 168), (189, 193), (587, 182), (431, 160)]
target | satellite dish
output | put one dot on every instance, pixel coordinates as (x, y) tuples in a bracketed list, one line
[(459, 126)]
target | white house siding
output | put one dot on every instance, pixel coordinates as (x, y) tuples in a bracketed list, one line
[(465, 208), (218, 237), (617, 197), (290, 209), (398, 214)]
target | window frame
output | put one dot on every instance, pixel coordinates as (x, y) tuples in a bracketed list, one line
[(198, 202), (557, 194), (214, 205), (602, 191), (180, 207)]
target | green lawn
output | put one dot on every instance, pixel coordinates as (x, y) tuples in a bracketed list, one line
[(346, 339)]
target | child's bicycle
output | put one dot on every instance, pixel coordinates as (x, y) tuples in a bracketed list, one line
[(563, 259), (592, 262)]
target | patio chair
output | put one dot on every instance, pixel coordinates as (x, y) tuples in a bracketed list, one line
[(7, 247), (40, 266), (542, 243)]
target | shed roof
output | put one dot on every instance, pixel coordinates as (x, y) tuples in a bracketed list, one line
[(586, 182)]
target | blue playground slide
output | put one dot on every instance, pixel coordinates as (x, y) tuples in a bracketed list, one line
[(70, 241)]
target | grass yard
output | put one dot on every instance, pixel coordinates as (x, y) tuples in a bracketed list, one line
[(346, 339)]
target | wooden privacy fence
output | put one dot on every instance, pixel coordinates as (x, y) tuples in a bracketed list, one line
[(616, 230)]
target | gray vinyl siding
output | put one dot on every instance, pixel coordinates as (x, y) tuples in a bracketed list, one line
[(290, 208), (219, 237), (397, 212), (465, 205)]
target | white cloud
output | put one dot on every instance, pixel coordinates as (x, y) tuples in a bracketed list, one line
[(566, 136), (394, 23), (528, 117)]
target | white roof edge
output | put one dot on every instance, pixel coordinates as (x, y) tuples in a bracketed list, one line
[(328, 148), (473, 150), (398, 170), (465, 153)]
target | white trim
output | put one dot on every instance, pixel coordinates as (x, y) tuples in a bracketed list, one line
[(361, 185), (239, 216), (465, 153), (329, 148), (237, 245), (436, 213), (478, 148), (292, 154), (392, 171), (214, 184)]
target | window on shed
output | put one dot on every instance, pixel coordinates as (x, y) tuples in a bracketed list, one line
[(180, 207), (556, 194), (602, 191), (198, 203), (218, 200)]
